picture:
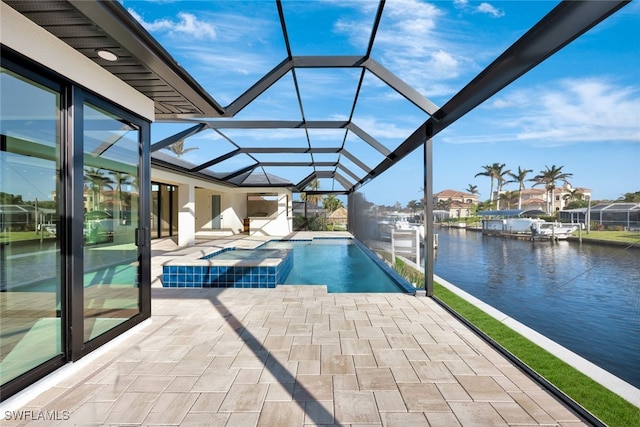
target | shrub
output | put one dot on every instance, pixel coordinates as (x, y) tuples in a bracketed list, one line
[(311, 223)]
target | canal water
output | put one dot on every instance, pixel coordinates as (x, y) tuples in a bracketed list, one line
[(585, 297)]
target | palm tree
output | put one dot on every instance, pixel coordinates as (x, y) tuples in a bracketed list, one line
[(548, 178), (178, 149), (500, 178), (412, 206), (574, 194), (508, 197), (488, 171), (312, 198), (444, 205), (473, 189), (494, 172), (96, 180), (484, 206), (630, 197), (331, 203), (120, 179), (520, 178)]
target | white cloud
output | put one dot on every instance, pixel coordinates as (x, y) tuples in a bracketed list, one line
[(444, 62), (383, 130), (586, 110), (247, 43), (416, 43), (483, 7), (489, 10), (562, 113), (186, 24)]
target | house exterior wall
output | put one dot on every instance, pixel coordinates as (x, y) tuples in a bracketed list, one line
[(281, 224), (455, 196), (233, 207), (234, 210), (461, 205), (460, 211), (538, 197), (186, 214), (203, 219)]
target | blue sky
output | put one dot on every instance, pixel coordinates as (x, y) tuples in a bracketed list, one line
[(579, 110)]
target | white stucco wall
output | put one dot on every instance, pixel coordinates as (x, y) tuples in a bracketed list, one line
[(186, 214), (233, 208), (203, 209), (281, 224), (25, 37)]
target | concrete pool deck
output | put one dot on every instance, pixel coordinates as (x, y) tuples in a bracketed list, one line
[(292, 356)]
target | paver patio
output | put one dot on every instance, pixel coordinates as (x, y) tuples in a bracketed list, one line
[(294, 356)]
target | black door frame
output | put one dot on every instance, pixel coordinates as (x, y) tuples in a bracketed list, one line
[(72, 98)]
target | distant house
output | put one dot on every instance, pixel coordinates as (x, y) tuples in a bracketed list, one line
[(562, 196), (339, 216), (459, 204), (536, 198), (455, 196)]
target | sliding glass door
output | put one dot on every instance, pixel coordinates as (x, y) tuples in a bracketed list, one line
[(74, 222), (31, 294), (111, 220), (164, 210)]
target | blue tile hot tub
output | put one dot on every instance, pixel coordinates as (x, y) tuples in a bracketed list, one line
[(230, 268)]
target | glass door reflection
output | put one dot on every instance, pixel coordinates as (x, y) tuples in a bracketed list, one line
[(111, 206), (30, 279)]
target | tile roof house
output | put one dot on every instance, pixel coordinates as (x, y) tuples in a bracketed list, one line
[(459, 204), (536, 198), (456, 196)]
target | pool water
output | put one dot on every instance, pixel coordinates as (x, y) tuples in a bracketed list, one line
[(247, 254), (340, 264)]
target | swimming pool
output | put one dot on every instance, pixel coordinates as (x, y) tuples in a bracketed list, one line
[(343, 265)]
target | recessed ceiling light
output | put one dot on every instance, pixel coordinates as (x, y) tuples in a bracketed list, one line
[(107, 55)]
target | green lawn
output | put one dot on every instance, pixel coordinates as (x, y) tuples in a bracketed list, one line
[(19, 236), (600, 401), (612, 236), (607, 406)]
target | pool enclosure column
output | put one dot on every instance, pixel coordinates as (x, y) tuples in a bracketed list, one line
[(429, 249), (186, 214)]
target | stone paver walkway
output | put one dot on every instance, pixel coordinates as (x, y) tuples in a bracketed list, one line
[(295, 356)]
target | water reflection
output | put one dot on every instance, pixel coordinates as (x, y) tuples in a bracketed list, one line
[(585, 297)]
